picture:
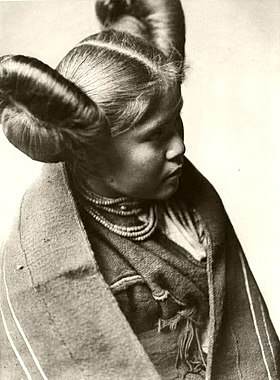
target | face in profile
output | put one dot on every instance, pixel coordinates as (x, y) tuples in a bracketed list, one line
[(146, 160)]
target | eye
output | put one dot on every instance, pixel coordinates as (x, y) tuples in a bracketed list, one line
[(157, 135), (165, 131)]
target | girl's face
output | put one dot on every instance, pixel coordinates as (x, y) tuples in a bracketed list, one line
[(146, 161)]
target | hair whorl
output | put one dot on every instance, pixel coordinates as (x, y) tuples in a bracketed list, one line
[(121, 73), (160, 22), (110, 11), (43, 114)]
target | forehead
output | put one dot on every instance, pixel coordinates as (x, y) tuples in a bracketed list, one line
[(161, 111)]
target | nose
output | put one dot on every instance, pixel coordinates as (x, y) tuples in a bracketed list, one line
[(176, 147)]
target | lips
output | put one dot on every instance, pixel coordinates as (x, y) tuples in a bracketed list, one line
[(175, 173)]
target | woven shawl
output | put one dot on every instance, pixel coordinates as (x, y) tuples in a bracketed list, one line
[(137, 273), (59, 319)]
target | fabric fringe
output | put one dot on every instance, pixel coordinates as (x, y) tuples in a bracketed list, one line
[(189, 355)]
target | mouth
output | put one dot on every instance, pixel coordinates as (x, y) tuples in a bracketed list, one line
[(175, 174)]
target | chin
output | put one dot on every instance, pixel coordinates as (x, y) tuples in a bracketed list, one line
[(168, 191)]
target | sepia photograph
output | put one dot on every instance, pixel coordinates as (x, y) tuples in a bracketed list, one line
[(139, 197)]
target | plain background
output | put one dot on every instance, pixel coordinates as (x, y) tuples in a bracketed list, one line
[(231, 111)]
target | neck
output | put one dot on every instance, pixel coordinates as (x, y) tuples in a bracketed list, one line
[(82, 179)]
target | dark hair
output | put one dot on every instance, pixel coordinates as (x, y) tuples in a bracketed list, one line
[(43, 114), (123, 74), (102, 87), (161, 22)]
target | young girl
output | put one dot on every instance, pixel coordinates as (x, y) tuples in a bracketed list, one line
[(122, 263)]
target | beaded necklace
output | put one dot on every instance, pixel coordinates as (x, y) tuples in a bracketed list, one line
[(96, 206)]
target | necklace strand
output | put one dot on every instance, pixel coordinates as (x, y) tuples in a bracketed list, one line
[(137, 233), (94, 205), (121, 203), (125, 206)]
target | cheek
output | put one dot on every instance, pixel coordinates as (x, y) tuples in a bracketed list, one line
[(140, 158), (147, 160)]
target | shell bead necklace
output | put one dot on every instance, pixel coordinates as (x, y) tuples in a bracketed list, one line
[(137, 233), (96, 205)]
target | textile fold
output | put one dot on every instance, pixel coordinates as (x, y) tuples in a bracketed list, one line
[(59, 319)]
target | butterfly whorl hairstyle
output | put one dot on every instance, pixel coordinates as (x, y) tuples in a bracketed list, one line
[(102, 87)]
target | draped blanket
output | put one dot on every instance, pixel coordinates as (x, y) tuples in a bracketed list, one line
[(59, 319)]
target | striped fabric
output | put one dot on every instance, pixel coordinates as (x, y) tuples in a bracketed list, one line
[(60, 321)]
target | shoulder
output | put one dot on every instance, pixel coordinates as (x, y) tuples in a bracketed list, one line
[(48, 231)]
